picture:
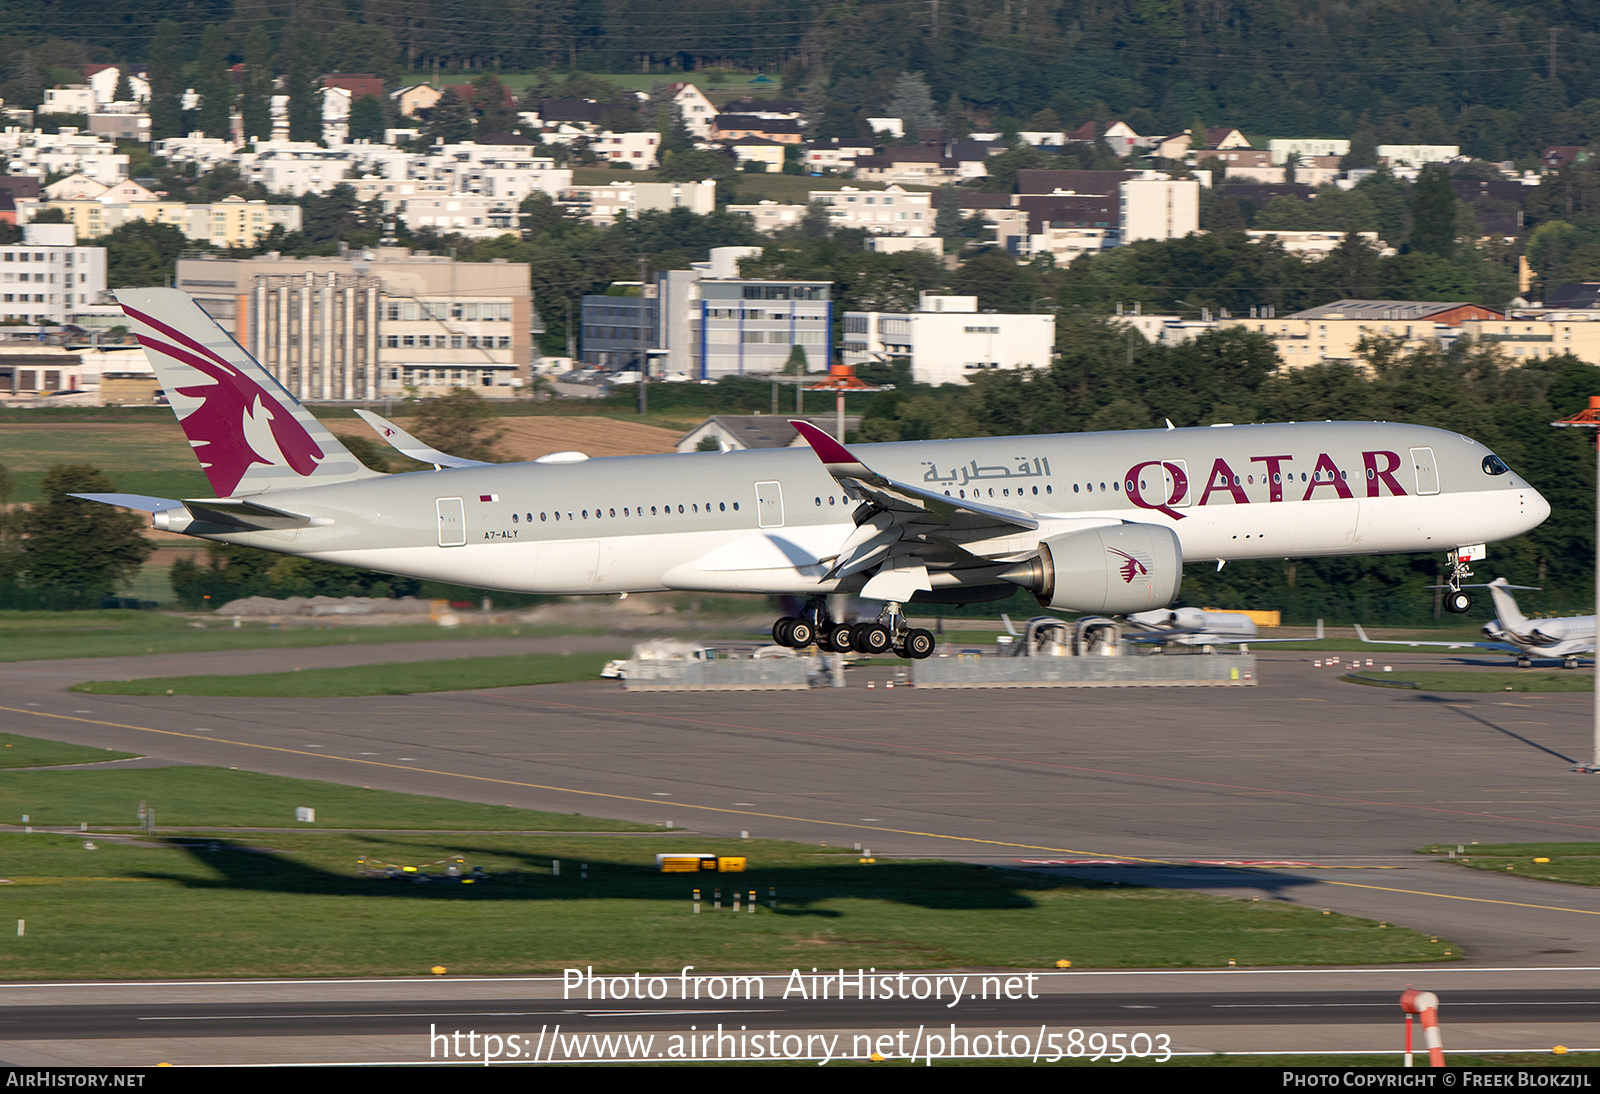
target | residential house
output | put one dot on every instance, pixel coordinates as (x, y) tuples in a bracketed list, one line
[(694, 108)]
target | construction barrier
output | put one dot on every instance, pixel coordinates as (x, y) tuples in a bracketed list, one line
[(774, 674), (1183, 670)]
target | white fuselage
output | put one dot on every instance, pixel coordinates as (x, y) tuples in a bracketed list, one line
[(768, 521)]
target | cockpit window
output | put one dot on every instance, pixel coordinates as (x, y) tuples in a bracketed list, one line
[(1494, 465)]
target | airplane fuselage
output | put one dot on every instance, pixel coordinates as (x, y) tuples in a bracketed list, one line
[(767, 521)]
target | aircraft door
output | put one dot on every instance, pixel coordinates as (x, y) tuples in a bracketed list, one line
[(452, 522), (769, 505), (1175, 480), (1427, 470)]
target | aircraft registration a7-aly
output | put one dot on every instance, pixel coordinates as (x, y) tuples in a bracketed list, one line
[(1098, 522)]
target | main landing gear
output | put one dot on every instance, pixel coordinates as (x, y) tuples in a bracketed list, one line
[(814, 626)]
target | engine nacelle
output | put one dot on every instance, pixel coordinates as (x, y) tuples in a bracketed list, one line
[(1112, 569)]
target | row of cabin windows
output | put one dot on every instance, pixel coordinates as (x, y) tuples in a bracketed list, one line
[(627, 511), (1116, 487)]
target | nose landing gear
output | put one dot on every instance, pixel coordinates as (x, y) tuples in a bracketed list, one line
[(1457, 601)]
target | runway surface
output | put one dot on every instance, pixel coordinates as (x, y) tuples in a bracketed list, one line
[(418, 1020), (1320, 790)]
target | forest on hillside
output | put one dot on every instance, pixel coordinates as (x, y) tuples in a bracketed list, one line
[(1502, 78)]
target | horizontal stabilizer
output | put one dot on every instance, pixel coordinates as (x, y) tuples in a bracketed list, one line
[(144, 503), (407, 445)]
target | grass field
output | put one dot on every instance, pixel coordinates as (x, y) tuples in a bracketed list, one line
[(32, 752), (1576, 863), (290, 904), (1516, 680), (403, 678), (39, 636), (288, 900), (213, 797)]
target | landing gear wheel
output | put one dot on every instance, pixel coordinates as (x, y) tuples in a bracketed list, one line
[(1524, 663), (840, 638), (801, 634), (780, 630), (1570, 663), (1457, 601), (871, 638), (919, 644)]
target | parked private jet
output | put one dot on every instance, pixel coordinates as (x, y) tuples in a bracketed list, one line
[(1198, 627), (1093, 523), (1565, 638)]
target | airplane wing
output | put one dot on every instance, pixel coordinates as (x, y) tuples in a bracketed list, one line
[(1463, 645), (407, 445), (903, 497), (906, 515)]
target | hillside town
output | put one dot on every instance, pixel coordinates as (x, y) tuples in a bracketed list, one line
[(433, 172)]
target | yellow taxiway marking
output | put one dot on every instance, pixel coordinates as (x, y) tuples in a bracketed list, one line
[(586, 793), (1473, 899)]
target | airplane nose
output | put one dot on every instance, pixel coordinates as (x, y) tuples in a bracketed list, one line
[(1537, 508)]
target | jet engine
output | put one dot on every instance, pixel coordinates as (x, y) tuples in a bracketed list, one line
[(1114, 569)]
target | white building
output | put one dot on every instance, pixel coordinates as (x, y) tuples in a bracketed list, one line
[(36, 153), (948, 341), (890, 211), (602, 205), (1062, 244), (47, 277), (103, 80), (72, 99), (1415, 155), (694, 108), (770, 216), (1307, 149), (637, 150), (1159, 208), (1318, 245), (462, 214)]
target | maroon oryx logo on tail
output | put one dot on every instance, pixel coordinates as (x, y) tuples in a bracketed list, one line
[(216, 427), (1131, 567)]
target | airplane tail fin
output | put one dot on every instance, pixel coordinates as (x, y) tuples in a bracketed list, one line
[(248, 432), (1505, 605)]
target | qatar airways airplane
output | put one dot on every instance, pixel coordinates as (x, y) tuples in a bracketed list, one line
[(1095, 522)]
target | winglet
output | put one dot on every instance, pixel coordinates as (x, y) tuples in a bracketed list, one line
[(828, 450), (407, 445), (1359, 633)]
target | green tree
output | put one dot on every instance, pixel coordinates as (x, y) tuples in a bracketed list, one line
[(256, 104), (1433, 213), (450, 120), (460, 423), (492, 106), (166, 80), (78, 545), (302, 65), (214, 83), (912, 104), (366, 120), (143, 252)]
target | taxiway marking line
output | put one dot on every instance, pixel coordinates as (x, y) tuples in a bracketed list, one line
[(571, 790), (1452, 896), (1039, 763)]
